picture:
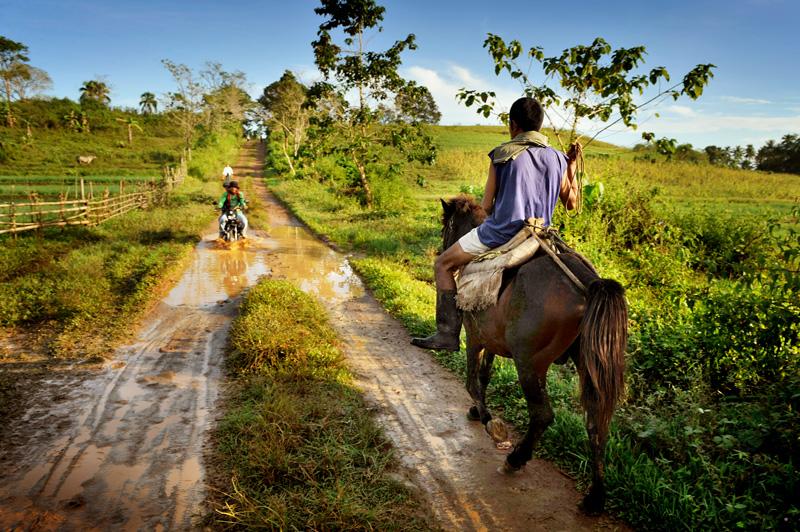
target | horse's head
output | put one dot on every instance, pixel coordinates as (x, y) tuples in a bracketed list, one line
[(461, 215)]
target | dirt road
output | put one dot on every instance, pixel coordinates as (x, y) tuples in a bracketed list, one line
[(123, 448)]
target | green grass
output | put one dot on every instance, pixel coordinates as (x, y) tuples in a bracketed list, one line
[(297, 448), (706, 438), (54, 152)]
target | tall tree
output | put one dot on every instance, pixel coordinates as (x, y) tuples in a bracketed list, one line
[(95, 91), (415, 103), (595, 82), (284, 102), (372, 75), (13, 59), (187, 101), (148, 103)]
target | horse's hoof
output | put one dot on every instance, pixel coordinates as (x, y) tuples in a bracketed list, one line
[(497, 430), (592, 505), (507, 469), (473, 414)]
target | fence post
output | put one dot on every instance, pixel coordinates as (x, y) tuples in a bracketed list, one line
[(61, 200), (83, 191), (13, 213)]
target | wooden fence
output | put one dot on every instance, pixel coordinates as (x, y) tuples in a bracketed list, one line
[(88, 210)]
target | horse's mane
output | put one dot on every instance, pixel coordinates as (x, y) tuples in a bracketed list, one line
[(463, 204)]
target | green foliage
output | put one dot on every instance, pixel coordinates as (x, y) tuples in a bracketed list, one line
[(708, 436), (357, 132), (83, 282), (415, 103), (298, 448), (287, 114), (600, 83), (780, 157)]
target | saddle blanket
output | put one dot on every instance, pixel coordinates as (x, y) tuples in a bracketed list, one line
[(478, 283)]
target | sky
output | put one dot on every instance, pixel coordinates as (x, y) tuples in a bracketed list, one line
[(753, 97)]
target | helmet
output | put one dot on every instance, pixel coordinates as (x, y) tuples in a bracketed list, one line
[(233, 184)]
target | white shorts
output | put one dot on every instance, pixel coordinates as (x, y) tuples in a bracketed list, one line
[(471, 244)]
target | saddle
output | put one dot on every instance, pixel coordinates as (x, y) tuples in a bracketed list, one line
[(479, 282)]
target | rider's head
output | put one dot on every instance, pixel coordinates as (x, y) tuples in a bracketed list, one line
[(233, 186), (526, 114)]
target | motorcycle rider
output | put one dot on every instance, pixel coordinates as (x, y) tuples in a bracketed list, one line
[(233, 200)]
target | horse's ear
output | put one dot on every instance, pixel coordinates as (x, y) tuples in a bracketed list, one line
[(445, 206)]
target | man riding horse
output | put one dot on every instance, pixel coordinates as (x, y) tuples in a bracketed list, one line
[(526, 180)]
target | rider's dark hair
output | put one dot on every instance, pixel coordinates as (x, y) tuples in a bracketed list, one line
[(527, 114)]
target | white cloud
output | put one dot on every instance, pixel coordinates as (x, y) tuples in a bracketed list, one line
[(681, 110), (445, 84), (746, 101)]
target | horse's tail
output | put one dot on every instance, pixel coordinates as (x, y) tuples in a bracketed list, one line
[(604, 337)]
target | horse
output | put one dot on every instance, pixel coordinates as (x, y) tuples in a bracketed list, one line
[(542, 317)]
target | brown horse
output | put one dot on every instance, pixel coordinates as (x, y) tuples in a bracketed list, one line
[(542, 317)]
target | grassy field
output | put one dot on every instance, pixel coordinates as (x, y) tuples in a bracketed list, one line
[(297, 448), (708, 436)]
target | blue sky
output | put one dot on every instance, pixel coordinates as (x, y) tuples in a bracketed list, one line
[(753, 97)]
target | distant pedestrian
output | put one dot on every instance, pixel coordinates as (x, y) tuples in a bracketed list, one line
[(227, 175)]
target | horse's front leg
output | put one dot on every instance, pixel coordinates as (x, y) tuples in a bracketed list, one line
[(476, 362), (540, 413)]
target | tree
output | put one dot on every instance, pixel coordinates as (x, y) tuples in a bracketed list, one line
[(186, 102), (356, 131), (595, 83), (415, 103), (780, 157), (131, 124), (95, 92), (286, 111), (31, 81), (13, 59), (148, 103)]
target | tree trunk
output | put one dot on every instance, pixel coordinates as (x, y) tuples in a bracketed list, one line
[(362, 177), (285, 147), (9, 116)]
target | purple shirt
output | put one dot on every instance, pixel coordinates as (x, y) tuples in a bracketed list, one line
[(527, 187)]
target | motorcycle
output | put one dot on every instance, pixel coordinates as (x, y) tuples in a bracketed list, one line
[(231, 230)]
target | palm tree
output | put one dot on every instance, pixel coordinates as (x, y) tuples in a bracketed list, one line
[(131, 123), (148, 103), (95, 91)]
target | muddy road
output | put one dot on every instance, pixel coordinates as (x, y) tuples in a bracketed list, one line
[(123, 448)]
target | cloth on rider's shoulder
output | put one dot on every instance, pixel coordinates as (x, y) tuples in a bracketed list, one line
[(508, 151), (232, 201)]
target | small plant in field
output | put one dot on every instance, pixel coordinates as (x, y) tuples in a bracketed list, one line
[(131, 124)]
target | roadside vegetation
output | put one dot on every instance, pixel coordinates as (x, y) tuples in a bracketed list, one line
[(297, 448), (73, 294), (708, 435)]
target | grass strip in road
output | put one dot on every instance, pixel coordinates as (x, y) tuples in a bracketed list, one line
[(297, 448)]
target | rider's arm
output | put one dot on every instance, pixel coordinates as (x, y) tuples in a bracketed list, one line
[(569, 183), (221, 202), (489, 190)]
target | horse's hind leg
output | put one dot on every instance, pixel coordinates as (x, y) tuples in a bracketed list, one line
[(594, 501), (479, 371), (540, 413)]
